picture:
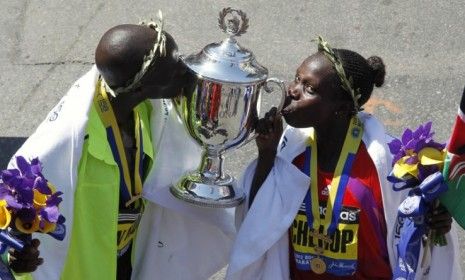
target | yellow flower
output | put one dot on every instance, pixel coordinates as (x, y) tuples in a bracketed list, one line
[(27, 227), (401, 168), (52, 187), (5, 215), (48, 227), (431, 156), (39, 199)]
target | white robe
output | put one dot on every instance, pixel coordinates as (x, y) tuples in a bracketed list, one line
[(175, 240), (261, 248)]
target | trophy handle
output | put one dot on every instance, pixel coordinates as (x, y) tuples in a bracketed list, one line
[(281, 86), (266, 88)]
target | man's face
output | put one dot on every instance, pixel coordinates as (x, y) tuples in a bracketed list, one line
[(167, 76)]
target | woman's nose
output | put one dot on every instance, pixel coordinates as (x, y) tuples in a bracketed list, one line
[(292, 91)]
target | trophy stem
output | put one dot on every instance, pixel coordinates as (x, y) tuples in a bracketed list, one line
[(208, 186), (211, 166)]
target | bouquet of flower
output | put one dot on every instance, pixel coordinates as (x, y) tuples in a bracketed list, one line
[(417, 165), (416, 156), (28, 203)]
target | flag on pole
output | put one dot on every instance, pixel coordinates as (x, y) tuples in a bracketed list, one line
[(454, 169)]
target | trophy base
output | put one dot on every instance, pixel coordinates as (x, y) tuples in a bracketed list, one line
[(220, 193)]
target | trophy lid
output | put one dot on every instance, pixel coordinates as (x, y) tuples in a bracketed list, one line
[(227, 61)]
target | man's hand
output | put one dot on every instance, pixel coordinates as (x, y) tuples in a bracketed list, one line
[(439, 220), (26, 260)]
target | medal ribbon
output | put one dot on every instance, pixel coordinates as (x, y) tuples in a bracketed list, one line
[(413, 209), (128, 192), (338, 183)]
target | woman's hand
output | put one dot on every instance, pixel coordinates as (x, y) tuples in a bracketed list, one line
[(269, 130), (439, 220), (27, 260)]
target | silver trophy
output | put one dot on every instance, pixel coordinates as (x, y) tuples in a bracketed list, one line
[(220, 110)]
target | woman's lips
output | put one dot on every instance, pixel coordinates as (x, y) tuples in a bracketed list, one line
[(287, 106)]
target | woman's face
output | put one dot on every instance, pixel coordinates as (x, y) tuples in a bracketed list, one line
[(314, 96)]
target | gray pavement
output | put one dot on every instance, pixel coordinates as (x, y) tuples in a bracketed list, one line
[(48, 44)]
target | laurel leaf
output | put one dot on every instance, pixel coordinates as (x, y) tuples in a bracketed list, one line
[(346, 83)]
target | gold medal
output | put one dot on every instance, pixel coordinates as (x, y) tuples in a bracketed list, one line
[(318, 265)]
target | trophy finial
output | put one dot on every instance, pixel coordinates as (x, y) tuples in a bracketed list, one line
[(233, 22)]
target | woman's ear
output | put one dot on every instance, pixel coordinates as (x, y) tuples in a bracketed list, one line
[(346, 108)]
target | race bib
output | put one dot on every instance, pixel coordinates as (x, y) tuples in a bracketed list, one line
[(128, 221), (340, 256)]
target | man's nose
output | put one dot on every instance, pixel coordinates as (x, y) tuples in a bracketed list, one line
[(181, 68)]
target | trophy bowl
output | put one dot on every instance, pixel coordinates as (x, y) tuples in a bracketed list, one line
[(220, 110)]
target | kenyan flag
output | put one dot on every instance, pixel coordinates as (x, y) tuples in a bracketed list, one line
[(454, 169)]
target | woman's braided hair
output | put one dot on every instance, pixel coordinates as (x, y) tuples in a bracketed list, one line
[(366, 73)]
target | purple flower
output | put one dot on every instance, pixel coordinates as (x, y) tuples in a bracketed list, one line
[(29, 170), (10, 176), (7, 194), (12, 203), (406, 149), (395, 146), (41, 185), (4, 190), (50, 214), (54, 199), (423, 132), (21, 182), (61, 219), (25, 196), (29, 197), (36, 167), (425, 138), (26, 175), (412, 142), (27, 214), (408, 140)]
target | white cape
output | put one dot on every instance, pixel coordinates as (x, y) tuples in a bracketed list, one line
[(261, 249), (175, 240)]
